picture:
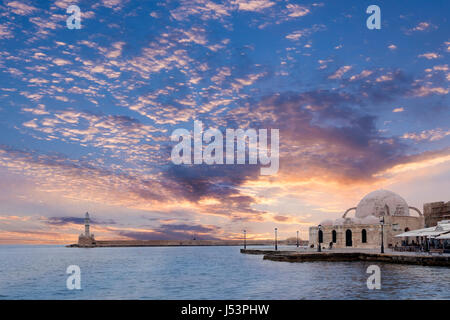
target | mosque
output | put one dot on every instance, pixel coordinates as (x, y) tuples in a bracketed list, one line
[(380, 209)]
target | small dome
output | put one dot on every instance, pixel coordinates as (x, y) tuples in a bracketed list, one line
[(353, 220), (370, 220), (382, 203), (327, 222), (339, 222)]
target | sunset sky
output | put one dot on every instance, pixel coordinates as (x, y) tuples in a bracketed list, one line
[(86, 115)]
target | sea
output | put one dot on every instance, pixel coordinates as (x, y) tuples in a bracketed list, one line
[(40, 272)]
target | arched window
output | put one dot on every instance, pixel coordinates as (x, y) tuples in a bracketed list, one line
[(320, 236), (334, 236), (348, 238), (364, 236)]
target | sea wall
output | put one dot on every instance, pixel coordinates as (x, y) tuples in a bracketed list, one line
[(414, 259)]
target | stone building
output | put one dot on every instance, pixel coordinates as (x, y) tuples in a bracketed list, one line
[(364, 229), (435, 212), (87, 239)]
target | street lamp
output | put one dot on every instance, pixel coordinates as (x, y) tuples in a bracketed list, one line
[(276, 244), (382, 234), (245, 239), (297, 239), (319, 249)]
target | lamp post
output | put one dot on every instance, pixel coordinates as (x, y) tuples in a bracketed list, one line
[(319, 249), (297, 239), (276, 244), (382, 234), (245, 239)]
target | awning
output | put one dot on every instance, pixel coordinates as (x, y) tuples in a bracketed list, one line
[(444, 236), (408, 234), (427, 232), (417, 233)]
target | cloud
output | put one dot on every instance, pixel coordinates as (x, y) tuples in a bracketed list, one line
[(427, 135), (362, 75), (296, 10), (60, 221), (174, 232), (207, 10), (423, 91), (21, 8), (113, 4), (253, 5), (429, 55), (325, 135), (5, 32), (392, 47), (423, 26), (61, 62), (340, 72), (297, 35)]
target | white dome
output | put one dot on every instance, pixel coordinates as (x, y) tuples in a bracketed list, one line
[(370, 220), (382, 203), (353, 220), (327, 222)]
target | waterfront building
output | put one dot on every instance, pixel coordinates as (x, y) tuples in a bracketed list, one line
[(380, 209), (436, 211)]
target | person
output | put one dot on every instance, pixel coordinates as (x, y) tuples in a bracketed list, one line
[(331, 245)]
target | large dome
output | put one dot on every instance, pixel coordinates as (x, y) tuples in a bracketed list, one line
[(382, 203)]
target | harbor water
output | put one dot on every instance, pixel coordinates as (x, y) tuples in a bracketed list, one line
[(39, 272)]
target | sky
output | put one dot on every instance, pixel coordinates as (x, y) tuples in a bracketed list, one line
[(86, 114)]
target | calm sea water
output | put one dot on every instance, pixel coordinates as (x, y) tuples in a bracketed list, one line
[(38, 272)]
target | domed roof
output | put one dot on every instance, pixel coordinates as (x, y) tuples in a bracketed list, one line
[(382, 203), (353, 220), (327, 222), (370, 220)]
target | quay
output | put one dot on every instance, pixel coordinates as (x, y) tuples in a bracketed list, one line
[(410, 258)]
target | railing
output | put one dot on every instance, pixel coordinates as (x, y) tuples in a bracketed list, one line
[(419, 249), (406, 249)]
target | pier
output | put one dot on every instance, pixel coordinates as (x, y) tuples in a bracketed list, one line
[(423, 259)]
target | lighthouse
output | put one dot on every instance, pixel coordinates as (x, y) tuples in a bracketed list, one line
[(86, 225), (86, 239)]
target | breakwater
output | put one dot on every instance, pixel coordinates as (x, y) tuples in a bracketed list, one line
[(168, 243), (412, 259)]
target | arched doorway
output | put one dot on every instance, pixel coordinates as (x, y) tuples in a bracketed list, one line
[(364, 236), (348, 238), (320, 236), (334, 236)]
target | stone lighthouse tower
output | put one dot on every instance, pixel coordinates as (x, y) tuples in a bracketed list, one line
[(86, 225), (86, 239)]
